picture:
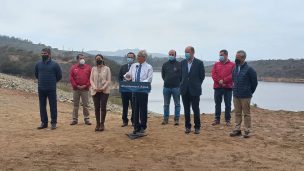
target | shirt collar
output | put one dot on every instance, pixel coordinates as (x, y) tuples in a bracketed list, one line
[(226, 61), (142, 63), (190, 62)]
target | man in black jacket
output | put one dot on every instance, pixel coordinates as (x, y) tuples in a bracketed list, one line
[(126, 97), (192, 75), (171, 76), (244, 85)]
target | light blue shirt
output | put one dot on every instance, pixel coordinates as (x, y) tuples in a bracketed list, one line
[(190, 64)]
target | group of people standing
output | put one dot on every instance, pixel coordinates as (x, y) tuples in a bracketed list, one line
[(183, 79), (96, 79), (85, 80)]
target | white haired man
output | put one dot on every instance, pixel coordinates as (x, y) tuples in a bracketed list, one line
[(140, 71)]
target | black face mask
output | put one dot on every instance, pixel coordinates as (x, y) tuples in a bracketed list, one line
[(99, 62), (237, 61), (45, 57)]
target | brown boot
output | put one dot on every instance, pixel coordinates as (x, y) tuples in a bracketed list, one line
[(97, 115), (101, 128), (97, 127), (102, 120), (216, 122)]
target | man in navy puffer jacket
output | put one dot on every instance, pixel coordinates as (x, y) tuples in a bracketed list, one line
[(48, 73), (244, 84)]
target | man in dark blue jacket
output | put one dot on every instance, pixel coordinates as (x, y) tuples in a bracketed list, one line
[(48, 73), (192, 77), (244, 85)]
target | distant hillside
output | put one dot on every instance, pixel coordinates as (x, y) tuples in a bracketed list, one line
[(23, 44), (119, 56), (123, 52), (155, 59), (18, 57), (290, 70)]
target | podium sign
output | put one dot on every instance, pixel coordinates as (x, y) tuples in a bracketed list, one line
[(134, 87)]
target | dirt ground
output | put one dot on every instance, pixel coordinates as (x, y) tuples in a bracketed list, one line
[(277, 142)]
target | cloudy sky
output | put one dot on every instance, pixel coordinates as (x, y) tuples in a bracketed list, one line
[(266, 29)]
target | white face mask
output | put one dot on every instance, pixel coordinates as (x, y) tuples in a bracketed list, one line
[(82, 62)]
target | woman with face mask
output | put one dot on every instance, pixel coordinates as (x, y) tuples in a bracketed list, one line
[(100, 80)]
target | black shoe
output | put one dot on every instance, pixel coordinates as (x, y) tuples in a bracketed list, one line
[(124, 124), (43, 126), (74, 122), (197, 131), (165, 121), (136, 131), (176, 122), (236, 133), (53, 126), (142, 131), (188, 130), (246, 134)]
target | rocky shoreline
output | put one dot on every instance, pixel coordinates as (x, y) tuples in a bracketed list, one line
[(30, 86)]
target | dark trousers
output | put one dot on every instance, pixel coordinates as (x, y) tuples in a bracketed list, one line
[(193, 101), (100, 104), (141, 111), (218, 97), (52, 97), (126, 98)]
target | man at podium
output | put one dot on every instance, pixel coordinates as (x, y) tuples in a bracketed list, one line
[(140, 71)]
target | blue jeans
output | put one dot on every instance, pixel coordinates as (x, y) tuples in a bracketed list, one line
[(52, 98), (218, 97), (167, 92)]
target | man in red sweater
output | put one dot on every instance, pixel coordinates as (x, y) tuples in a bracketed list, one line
[(80, 80), (222, 77)]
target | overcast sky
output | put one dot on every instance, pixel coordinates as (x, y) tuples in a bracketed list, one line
[(266, 29)]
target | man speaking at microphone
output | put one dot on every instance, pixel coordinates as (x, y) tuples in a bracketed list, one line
[(140, 71)]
